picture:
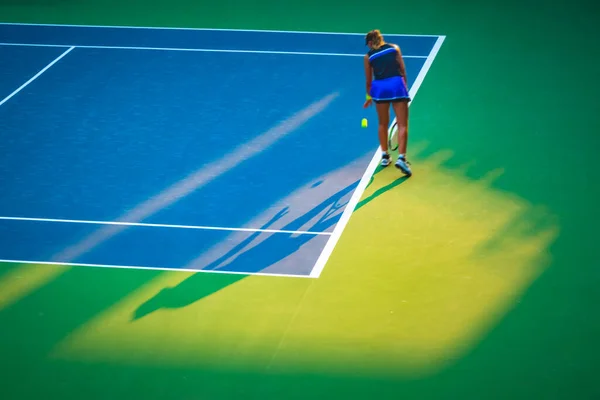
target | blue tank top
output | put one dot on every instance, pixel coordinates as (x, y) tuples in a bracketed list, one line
[(383, 61)]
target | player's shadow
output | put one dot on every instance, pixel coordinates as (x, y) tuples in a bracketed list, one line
[(381, 190), (274, 248)]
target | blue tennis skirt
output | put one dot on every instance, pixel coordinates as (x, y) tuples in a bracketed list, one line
[(389, 90)]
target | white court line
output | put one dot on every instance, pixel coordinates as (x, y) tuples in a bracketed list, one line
[(326, 253), (362, 185), (184, 187), (70, 264), (37, 75), (141, 224), (300, 53), (209, 29)]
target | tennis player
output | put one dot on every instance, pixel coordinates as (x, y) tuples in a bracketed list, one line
[(386, 84)]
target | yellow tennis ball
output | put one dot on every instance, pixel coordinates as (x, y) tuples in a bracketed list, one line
[(364, 123)]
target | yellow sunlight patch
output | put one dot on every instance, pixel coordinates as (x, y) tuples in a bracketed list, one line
[(424, 269)]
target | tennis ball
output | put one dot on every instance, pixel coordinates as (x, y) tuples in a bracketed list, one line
[(364, 123)]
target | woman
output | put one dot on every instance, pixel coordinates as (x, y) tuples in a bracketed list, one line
[(386, 84)]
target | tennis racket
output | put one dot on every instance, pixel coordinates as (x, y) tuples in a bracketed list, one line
[(393, 137)]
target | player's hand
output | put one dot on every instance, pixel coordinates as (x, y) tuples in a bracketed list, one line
[(368, 103)]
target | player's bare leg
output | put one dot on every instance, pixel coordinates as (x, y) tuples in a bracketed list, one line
[(401, 111)]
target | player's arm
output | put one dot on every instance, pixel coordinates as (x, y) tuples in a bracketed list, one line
[(401, 64), (368, 73), (369, 79)]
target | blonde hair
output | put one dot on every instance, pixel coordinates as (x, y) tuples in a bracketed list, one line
[(376, 38)]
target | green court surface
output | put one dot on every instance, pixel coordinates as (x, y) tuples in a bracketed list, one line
[(478, 277)]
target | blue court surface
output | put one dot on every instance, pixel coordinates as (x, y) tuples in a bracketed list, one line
[(184, 149)]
